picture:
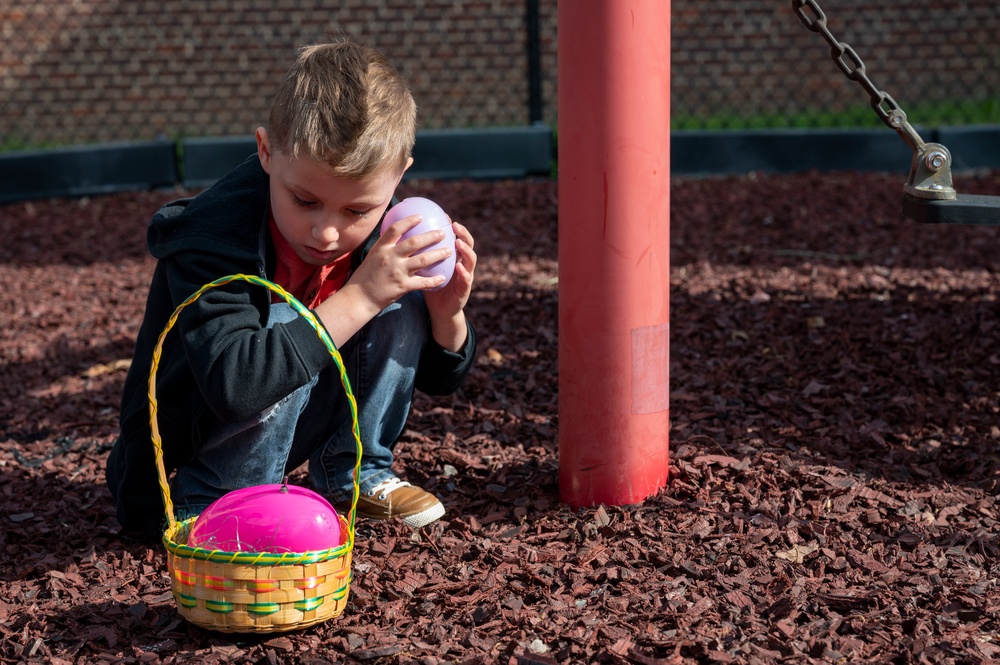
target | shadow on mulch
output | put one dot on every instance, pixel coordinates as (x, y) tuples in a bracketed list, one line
[(72, 391), (898, 384)]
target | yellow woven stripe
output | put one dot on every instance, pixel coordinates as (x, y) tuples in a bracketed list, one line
[(185, 578), (185, 600), (255, 558), (218, 583), (310, 582), (308, 604), (219, 606), (262, 609)]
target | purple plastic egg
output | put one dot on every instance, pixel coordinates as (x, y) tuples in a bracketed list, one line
[(433, 218), (267, 518)]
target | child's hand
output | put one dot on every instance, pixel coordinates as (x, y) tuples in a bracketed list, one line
[(387, 273), (390, 269), (446, 306)]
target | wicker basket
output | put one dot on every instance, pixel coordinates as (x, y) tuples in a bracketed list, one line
[(253, 592)]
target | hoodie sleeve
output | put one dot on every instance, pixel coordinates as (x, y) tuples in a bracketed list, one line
[(241, 365), (440, 371)]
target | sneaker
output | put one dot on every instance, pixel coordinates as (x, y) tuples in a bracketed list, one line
[(394, 498)]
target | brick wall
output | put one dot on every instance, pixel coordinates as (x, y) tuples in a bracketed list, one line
[(107, 70)]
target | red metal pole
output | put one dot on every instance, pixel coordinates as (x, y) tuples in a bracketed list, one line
[(614, 249)]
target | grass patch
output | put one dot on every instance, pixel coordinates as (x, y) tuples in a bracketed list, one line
[(926, 114)]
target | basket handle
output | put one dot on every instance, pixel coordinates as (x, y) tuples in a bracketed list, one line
[(324, 337)]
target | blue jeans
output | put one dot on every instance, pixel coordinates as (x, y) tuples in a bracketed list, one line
[(313, 424)]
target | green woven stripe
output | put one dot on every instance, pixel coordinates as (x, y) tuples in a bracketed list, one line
[(309, 603), (185, 600), (218, 606), (262, 609), (258, 558)]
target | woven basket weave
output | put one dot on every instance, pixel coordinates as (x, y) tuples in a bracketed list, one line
[(254, 592)]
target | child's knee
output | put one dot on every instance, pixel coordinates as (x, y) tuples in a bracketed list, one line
[(281, 312)]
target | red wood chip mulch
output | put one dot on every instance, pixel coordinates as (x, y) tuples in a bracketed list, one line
[(835, 393)]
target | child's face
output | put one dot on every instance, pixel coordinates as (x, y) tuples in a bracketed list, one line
[(322, 215)]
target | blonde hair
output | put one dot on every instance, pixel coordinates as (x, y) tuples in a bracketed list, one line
[(344, 104)]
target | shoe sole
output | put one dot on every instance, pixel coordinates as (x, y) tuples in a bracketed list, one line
[(424, 517)]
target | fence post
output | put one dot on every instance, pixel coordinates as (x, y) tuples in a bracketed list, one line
[(614, 249), (534, 41)]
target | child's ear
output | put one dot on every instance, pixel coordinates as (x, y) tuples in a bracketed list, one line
[(409, 163), (264, 149)]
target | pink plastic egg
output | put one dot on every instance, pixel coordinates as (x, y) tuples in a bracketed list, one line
[(433, 218), (267, 518)]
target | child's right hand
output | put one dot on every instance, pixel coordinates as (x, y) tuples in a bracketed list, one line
[(388, 272), (390, 269)]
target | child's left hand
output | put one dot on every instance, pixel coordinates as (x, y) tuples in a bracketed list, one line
[(446, 306)]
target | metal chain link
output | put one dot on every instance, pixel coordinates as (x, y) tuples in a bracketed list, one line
[(853, 67)]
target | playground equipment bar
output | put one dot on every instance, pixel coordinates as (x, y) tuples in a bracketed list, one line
[(614, 245)]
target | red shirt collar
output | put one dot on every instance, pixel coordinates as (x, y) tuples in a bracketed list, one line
[(310, 284)]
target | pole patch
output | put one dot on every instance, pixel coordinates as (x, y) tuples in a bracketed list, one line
[(651, 369)]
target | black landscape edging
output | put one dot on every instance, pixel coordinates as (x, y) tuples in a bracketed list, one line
[(483, 154), (87, 170), (783, 151), (971, 147), (700, 153), (206, 159)]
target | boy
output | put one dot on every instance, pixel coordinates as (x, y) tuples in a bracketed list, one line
[(246, 390)]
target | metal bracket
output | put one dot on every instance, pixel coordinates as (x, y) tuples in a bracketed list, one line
[(930, 174), (930, 198)]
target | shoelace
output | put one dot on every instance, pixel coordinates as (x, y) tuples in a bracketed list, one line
[(387, 487)]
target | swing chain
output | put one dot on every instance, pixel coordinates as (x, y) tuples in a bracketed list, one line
[(853, 67), (928, 195)]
